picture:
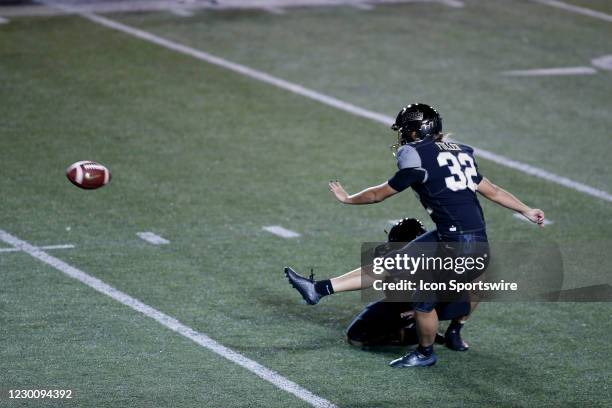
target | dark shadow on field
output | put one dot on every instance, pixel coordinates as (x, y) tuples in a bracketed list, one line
[(477, 373), (292, 306), (478, 377), (470, 374), (473, 376), (334, 318), (489, 373)]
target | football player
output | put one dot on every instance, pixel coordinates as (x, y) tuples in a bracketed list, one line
[(445, 177), (386, 322)]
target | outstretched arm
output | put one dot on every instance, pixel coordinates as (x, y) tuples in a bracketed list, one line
[(502, 197), (370, 195)]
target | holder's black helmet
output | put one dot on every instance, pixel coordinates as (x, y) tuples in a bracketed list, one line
[(419, 118), (402, 231), (406, 230)]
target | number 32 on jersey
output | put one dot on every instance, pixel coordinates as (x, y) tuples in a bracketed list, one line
[(462, 170)]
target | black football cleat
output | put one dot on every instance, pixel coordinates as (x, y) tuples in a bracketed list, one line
[(414, 359), (303, 285), (454, 341)]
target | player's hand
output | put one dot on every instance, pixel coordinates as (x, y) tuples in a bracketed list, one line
[(535, 215), (336, 188)]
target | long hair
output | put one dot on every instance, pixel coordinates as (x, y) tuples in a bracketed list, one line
[(441, 136)]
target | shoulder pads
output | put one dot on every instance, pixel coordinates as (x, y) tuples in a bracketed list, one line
[(408, 157)]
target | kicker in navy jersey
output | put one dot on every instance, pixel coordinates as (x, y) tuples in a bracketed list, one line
[(444, 176), (446, 179)]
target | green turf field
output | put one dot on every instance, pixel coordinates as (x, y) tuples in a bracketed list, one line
[(206, 157)]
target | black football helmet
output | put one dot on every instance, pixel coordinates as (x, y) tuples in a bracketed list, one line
[(402, 231), (419, 118), (406, 230)]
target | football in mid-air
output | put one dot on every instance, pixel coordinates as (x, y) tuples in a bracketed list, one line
[(88, 174)]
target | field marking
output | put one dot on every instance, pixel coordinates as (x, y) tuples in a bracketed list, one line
[(38, 8), (152, 238), (552, 71), (181, 12), (604, 62), (13, 249), (4, 20), (544, 174), (453, 3), (363, 6), (576, 9), (325, 99), (279, 11), (522, 218), (168, 321), (281, 231)]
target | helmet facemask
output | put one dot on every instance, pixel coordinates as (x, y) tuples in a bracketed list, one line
[(405, 135)]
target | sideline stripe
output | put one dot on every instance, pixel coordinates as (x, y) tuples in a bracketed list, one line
[(69, 246), (521, 218), (168, 321), (553, 71), (576, 9), (281, 231), (325, 99), (152, 238)]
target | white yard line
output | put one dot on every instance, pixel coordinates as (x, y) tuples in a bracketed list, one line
[(576, 9), (37, 9), (9, 249), (168, 321), (363, 6), (543, 174), (181, 12), (604, 62), (453, 3), (521, 218), (281, 231), (325, 99), (13, 249), (279, 11), (67, 246), (152, 238), (553, 71)]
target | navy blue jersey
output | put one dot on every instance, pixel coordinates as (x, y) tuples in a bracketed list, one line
[(444, 176)]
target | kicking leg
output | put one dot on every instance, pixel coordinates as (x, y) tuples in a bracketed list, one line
[(353, 280), (312, 291), (361, 278)]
